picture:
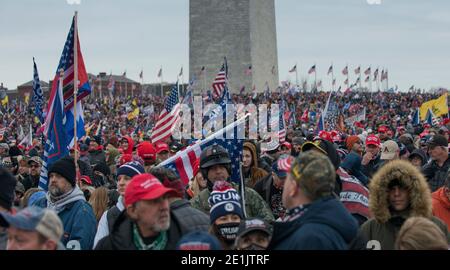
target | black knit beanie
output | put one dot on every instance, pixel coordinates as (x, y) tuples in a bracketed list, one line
[(7, 187), (66, 168)]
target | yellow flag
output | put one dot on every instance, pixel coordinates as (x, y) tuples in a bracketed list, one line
[(134, 102), (438, 107), (36, 120), (27, 98), (133, 114), (5, 101)]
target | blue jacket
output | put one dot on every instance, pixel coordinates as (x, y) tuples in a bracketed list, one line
[(79, 224), (325, 225)]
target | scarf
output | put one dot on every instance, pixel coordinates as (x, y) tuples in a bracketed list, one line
[(58, 204), (159, 243)]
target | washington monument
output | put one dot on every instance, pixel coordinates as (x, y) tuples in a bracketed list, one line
[(243, 31)]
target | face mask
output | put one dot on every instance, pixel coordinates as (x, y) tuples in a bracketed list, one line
[(228, 231), (254, 247)]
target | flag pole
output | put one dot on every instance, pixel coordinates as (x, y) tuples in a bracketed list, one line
[(332, 77), (315, 77), (296, 74), (204, 81), (75, 93), (348, 77), (162, 94)]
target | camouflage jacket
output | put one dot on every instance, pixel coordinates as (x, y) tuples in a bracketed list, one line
[(255, 205)]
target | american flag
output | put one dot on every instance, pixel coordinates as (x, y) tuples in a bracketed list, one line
[(375, 74), (312, 69), (358, 70), (293, 69), (368, 71), (345, 70), (219, 82), (367, 79), (66, 63), (168, 117), (182, 163)]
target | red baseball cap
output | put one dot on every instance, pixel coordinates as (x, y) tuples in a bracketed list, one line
[(86, 179), (145, 187), (325, 135), (287, 145), (146, 151), (161, 146), (382, 129), (373, 140)]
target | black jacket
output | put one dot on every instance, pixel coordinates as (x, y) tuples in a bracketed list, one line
[(371, 168), (30, 182), (436, 175), (264, 187), (186, 218), (183, 219)]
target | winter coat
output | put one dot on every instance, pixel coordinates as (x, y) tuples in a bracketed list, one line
[(255, 206), (129, 150), (352, 164), (107, 220), (186, 218), (97, 156), (371, 168), (441, 206), (381, 231), (421, 154), (79, 224), (30, 182), (255, 173), (324, 225), (121, 237), (436, 175), (264, 189)]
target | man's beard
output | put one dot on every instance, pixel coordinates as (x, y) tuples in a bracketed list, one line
[(160, 227), (55, 191)]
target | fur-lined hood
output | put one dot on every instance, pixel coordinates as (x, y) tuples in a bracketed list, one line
[(412, 178)]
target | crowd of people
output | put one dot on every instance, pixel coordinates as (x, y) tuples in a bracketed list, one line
[(378, 183)]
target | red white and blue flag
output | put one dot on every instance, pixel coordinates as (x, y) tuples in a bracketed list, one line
[(183, 162), (66, 63), (219, 82), (168, 117)]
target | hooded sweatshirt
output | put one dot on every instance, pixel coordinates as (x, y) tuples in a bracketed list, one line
[(322, 225), (381, 231), (129, 150)]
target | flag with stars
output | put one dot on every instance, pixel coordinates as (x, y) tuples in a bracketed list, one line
[(168, 117), (66, 63), (38, 97), (56, 138), (183, 162)]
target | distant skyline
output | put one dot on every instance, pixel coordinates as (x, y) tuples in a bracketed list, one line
[(409, 37)]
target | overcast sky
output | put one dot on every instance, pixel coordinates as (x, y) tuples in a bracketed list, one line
[(409, 37)]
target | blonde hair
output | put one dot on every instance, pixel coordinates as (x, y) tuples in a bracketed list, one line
[(99, 201), (419, 233), (195, 187)]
